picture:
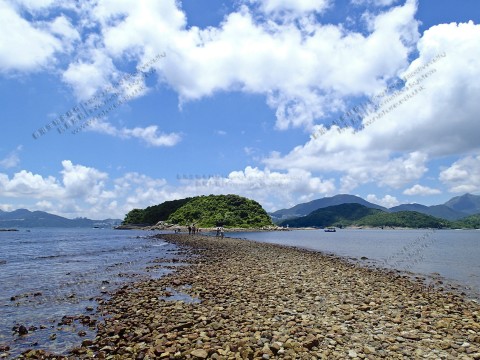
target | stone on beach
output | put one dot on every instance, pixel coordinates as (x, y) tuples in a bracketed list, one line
[(265, 301)]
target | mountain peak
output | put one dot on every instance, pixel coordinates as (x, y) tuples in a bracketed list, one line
[(467, 203), (306, 208)]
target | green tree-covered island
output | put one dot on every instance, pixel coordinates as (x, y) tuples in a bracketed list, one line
[(204, 211)]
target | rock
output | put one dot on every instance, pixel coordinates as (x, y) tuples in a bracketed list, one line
[(22, 330), (87, 342), (441, 324), (199, 353), (368, 350), (275, 347), (352, 354), (310, 342)]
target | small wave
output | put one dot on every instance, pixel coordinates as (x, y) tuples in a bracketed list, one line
[(3, 262), (158, 245), (51, 256), (86, 253)]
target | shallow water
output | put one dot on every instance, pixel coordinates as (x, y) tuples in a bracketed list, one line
[(454, 255), (46, 274)]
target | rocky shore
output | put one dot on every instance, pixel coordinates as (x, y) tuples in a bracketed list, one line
[(184, 228), (241, 299)]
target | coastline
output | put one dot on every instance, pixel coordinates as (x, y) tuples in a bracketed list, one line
[(244, 299), (184, 228)]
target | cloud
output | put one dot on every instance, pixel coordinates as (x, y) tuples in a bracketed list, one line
[(36, 5), (24, 45), (82, 181), (81, 190), (463, 176), (445, 113), (296, 6), (63, 28), (6, 207), (387, 201), (86, 77), (149, 135), (395, 150), (374, 2), (201, 62), (355, 158), (421, 190), (27, 184), (12, 159)]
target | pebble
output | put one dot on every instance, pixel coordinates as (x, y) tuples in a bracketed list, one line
[(266, 301)]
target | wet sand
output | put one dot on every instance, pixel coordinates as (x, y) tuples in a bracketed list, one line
[(241, 299)]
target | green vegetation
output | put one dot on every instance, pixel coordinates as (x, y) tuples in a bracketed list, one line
[(222, 210), (134, 216), (153, 214), (408, 219), (204, 211), (470, 222), (359, 215), (338, 215)]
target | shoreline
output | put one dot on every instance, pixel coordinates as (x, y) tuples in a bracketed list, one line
[(245, 299), (184, 229)]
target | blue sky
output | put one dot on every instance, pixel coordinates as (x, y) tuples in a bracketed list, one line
[(221, 97)]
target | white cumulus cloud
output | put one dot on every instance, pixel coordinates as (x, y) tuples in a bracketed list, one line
[(296, 6), (463, 175), (421, 190), (150, 135), (387, 201), (24, 45)]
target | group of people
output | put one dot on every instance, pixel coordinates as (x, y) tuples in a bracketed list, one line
[(192, 229)]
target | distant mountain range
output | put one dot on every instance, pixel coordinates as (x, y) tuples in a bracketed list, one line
[(352, 214), (456, 208), (307, 208), (23, 218)]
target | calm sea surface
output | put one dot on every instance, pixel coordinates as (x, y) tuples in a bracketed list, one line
[(46, 274), (452, 254)]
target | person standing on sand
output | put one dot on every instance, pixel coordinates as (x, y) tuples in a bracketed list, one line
[(218, 231), (221, 232), (194, 229), (189, 230)]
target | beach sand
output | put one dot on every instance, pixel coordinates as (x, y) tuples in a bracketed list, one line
[(241, 299)]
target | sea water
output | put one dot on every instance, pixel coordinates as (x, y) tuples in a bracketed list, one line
[(46, 274)]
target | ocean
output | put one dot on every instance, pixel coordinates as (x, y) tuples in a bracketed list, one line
[(50, 280)]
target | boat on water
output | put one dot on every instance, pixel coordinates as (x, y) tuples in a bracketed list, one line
[(330, 229)]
